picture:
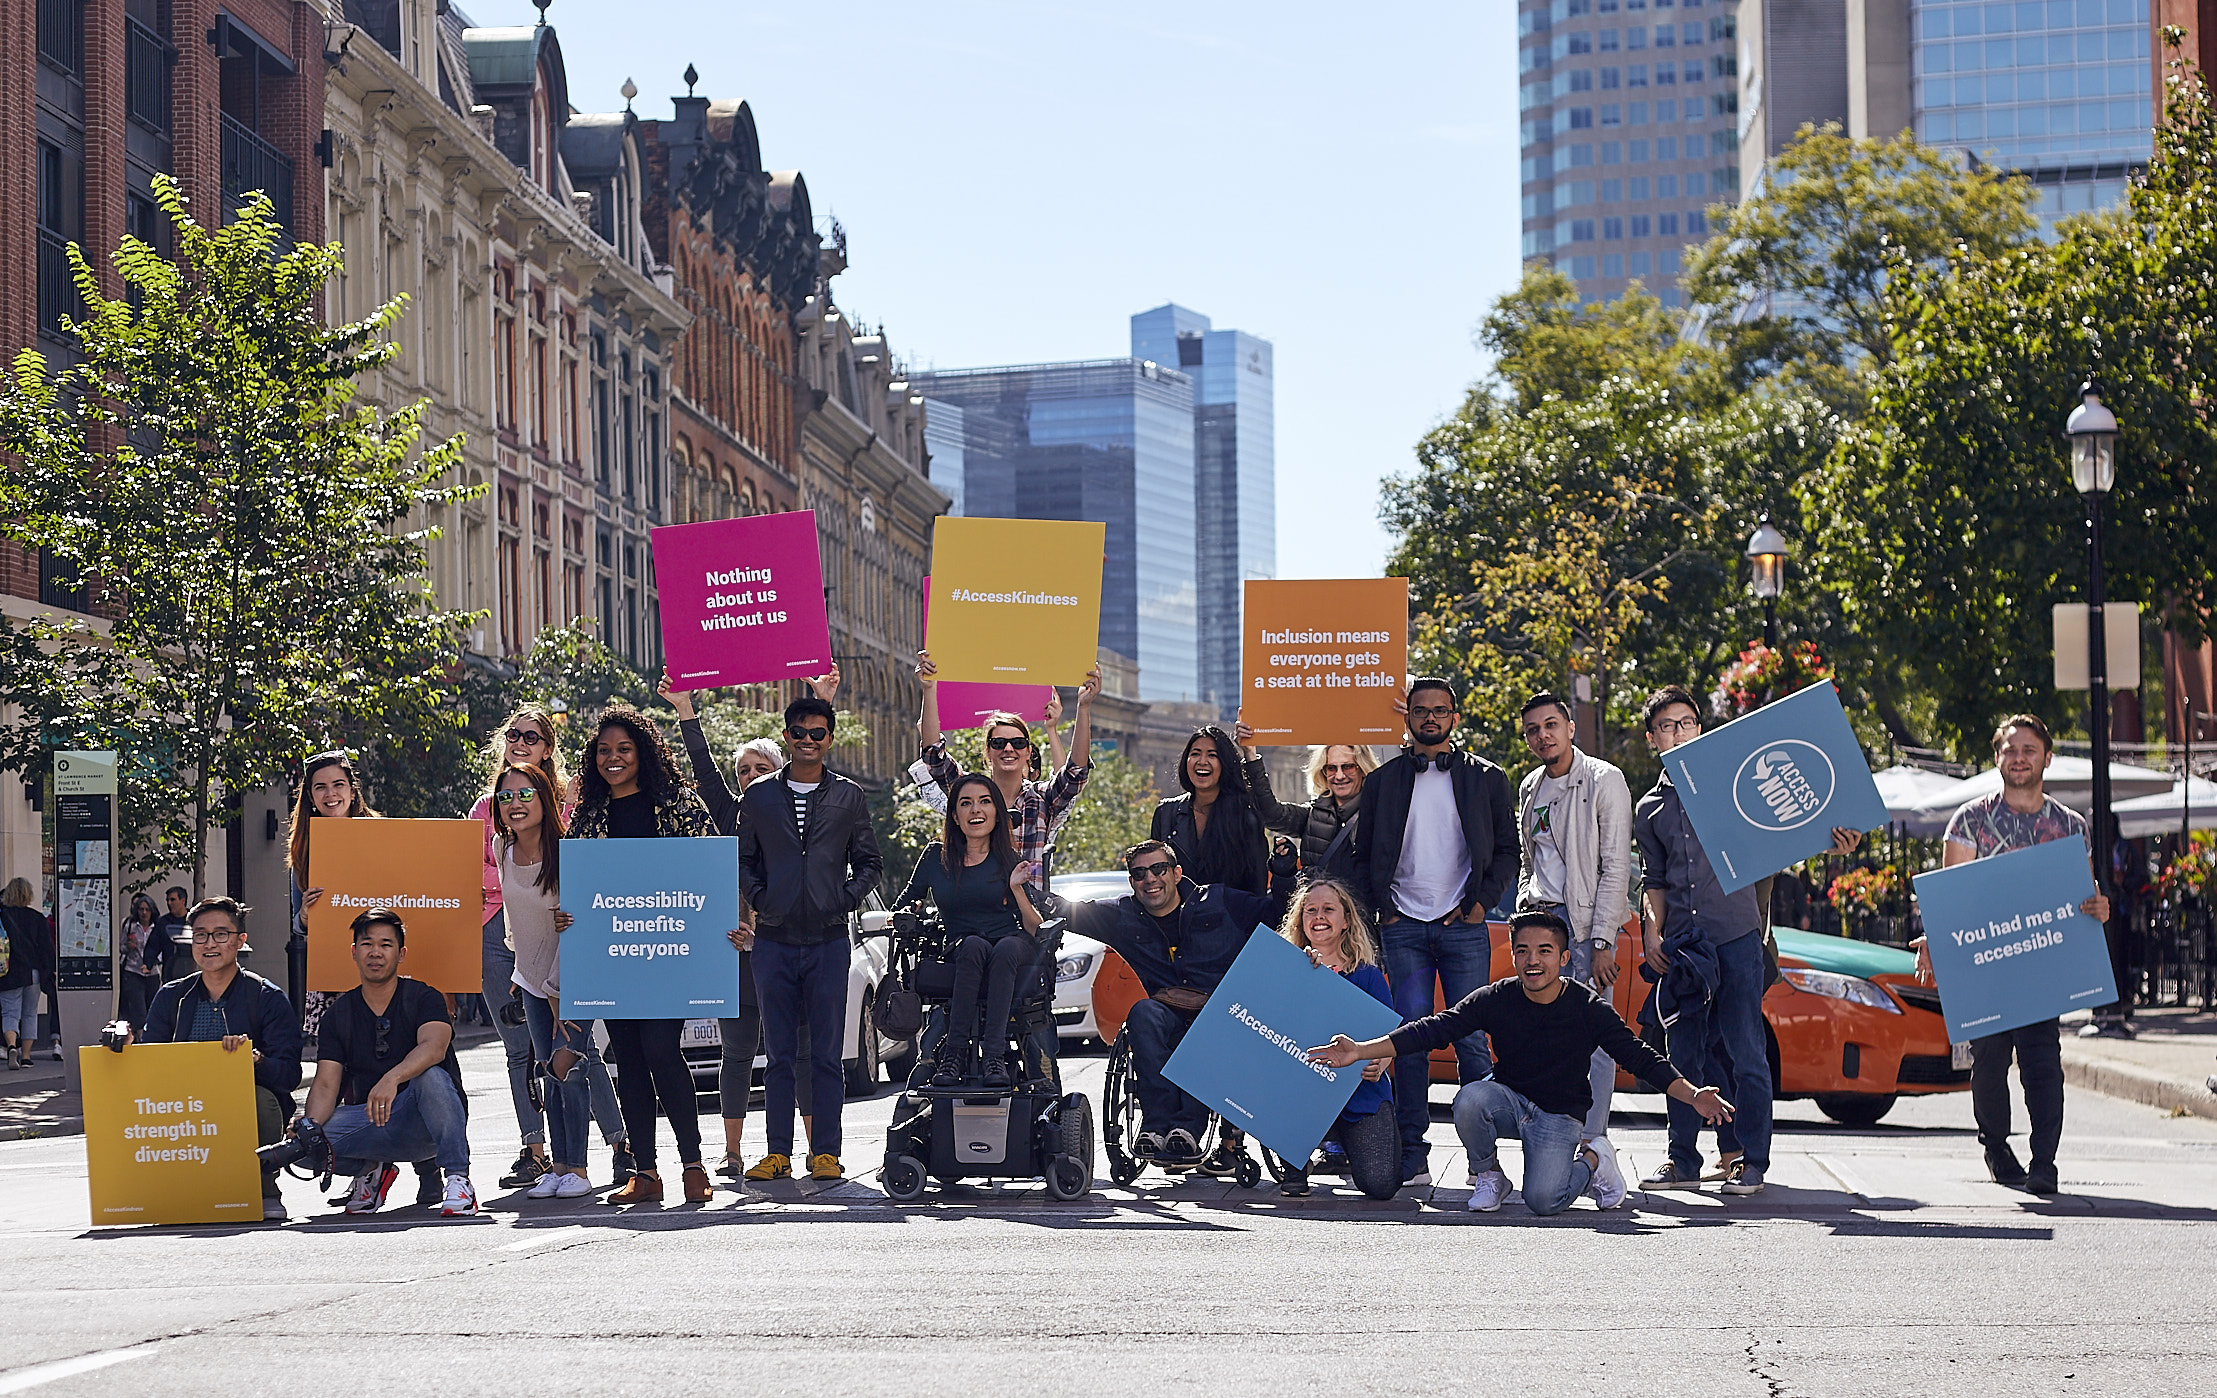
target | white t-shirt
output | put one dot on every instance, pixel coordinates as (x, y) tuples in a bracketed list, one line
[(1428, 880), (529, 910), (1544, 829)]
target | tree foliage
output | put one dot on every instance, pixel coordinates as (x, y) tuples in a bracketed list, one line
[(251, 542)]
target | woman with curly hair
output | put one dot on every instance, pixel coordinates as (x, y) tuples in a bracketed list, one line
[(1327, 923), (631, 790)]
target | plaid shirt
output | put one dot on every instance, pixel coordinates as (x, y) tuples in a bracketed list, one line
[(1040, 808)]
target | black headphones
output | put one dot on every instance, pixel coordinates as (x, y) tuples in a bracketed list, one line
[(1444, 760)]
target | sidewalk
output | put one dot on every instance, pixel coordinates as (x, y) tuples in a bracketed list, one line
[(2168, 1066)]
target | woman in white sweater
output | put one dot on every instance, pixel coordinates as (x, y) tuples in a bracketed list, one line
[(528, 814)]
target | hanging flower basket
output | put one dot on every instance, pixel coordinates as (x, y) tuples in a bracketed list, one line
[(1762, 673), (2191, 874)]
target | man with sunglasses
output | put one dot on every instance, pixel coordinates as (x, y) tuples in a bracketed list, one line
[(1036, 809), (1435, 846), (1179, 938), (388, 1086), (807, 859), (221, 1002)]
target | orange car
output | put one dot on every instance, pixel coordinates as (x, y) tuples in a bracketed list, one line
[(1849, 1024)]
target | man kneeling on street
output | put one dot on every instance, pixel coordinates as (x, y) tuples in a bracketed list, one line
[(388, 1086), (1545, 1030)]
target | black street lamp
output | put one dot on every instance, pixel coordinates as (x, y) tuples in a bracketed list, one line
[(2092, 429), (1767, 552)]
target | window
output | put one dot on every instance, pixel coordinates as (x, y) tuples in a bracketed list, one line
[(1581, 267), (1611, 79), (1577, 43), (1609, 42), (1666, 186), (1581, 118), (1637, 152), (1578, 7), (1581, 80), (1636, 75), (1697, 184), (1642, 264), (1690, 33), (1666, 148), (1612, 264), (1581, 230), (511, 594), (1696, 222), (1665, 36), (1694, 72), (1612, 191), (1581, 156), (1612, 229), (1666, 75), (1638, 189), (1635, 39), (1640, 226), (1666, 262), (1612, 115), (1611, 153), (1635, 113), (1666, 225)]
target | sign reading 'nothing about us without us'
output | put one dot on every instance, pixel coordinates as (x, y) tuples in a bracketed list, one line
[(742, 600)]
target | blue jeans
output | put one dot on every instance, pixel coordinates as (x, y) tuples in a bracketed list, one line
[(1156, 1030), (1735, 1017), (795, 986), (1554, 1172), (1601, 1073), (569, 1104), (19, 1011), (499, 970), (1460, 958), (427, 1120)]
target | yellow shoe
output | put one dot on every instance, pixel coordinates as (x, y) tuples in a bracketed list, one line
[(825, 1166), (772, 1167)]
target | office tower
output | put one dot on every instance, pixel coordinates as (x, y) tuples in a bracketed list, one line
[(1628, 134), (1108, 440), (943, 447), (1234, 476)]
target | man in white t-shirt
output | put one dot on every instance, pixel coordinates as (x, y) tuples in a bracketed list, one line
[(1574, 816), (1434, 847)]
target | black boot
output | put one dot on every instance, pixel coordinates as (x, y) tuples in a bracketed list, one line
[(949, 1071), (2001, 1163), (997, 1075), (2040, 1179)]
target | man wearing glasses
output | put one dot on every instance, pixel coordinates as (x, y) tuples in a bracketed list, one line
[(388, 1086), (807, 858), (222, 1003), (1435, 846), (1179, 938), (1681, 898)]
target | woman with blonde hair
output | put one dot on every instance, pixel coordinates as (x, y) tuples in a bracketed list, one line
[(1326, 921), (1324, 823), (30, 946)]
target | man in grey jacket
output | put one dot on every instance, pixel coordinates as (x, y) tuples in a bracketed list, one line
[(1574, 824)]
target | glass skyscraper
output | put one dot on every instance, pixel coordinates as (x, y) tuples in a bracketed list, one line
[(1109, 440), (1234, 476)]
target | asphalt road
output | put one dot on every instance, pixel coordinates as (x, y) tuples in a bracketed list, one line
[(1880, 1262)]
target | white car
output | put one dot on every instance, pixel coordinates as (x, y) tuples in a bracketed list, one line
[(1080, 958), (867, 1053)]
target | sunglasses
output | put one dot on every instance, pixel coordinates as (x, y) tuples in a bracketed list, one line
[(1148, 872), (1341, 769), (520, 793), (812, 735), (1003, 744), (524, 738)]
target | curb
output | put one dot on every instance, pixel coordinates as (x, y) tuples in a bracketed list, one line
[(2115, 1080), (59, 1126)]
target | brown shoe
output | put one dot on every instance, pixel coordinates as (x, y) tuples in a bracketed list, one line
[(639, 1189), (697, 1188)]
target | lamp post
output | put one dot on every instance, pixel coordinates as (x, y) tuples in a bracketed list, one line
[(1767, 552), (2092, 429)]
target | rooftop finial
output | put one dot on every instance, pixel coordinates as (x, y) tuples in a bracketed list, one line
[(630, 90), (692, 75), (542, 8)]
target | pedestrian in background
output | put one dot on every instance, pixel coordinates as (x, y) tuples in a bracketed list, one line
[(141, 963), (30, 948)]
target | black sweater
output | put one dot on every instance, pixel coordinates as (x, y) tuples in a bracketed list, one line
[(1540, 1050)]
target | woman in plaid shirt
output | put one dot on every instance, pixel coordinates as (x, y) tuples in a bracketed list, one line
[(1036, 809)]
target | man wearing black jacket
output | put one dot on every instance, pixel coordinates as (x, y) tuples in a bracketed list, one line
[(1434, 847), (223, 1003), (807, 858), (1179, 938)]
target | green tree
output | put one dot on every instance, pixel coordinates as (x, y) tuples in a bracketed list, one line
[(251, 541)]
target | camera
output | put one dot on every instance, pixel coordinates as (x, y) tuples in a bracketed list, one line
[(306, 1143), (511, 1012), (115, 1035)]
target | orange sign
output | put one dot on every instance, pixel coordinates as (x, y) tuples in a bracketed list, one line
[(1321, 660), (428, 871)]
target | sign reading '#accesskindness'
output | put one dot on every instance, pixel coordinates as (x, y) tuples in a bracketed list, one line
[(2009, 946), (742, 600), (1246, 1054), (651, 936), (1015, 601), (1767, 790), (967, 704), (431, 872)]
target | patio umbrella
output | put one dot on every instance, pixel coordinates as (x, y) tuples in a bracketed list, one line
[(2069, 780), (2160, 814), (1904, 788)]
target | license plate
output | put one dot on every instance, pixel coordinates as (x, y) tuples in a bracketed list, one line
[(703, 1033), (1959, 1056)]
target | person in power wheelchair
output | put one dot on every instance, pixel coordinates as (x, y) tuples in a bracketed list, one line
[(985, 1099), (1179, 938)]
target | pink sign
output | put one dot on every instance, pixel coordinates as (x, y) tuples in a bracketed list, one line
[(967, 704), (742, 600)]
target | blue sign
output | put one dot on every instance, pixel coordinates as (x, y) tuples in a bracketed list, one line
[(651, 936), (1767, 790), (2009, 946), (1246, 1054)]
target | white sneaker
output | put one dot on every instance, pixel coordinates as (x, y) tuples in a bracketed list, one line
[(370, 1189), (461, 1200), (1607, 1189), (1487, 1194), (572, 1186), (545, 1186)]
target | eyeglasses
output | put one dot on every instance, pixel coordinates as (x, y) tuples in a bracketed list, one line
[(1430, 711), (1678, 725), (1003, 744), (1341, 769), (209, 936), (524, 794), (524, 738), (812, 735), (1146, 873)]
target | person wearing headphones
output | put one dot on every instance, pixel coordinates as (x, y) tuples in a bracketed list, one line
[(1435, 846)]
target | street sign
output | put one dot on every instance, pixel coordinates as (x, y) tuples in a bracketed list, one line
[(2120, 645)]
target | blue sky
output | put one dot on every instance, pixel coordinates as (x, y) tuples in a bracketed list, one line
[(1017, 179)]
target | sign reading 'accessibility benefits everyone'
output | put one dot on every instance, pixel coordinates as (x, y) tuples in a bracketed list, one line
[(650, 940), (1246, 1054), (169, 1134), (1767, 790), (1015, 601), (2008, 943), (431, 872)]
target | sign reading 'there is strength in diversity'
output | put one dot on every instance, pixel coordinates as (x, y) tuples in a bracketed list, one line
[(650, 940), (169, 1134), (742, 600)]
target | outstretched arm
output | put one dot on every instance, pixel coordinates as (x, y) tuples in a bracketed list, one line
[(927, 724)]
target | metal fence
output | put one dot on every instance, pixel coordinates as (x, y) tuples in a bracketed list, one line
[(147, 57), (251, 163)]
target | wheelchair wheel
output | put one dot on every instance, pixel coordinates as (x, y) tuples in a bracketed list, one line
[(903, 1178), (1070, 1166), (1119, 1113), (1274, 1164), (1250, 1174)]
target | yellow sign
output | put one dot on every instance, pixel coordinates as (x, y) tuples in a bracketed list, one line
[(431, 872), (1015, 601), (169, 1134), (1322, 661)]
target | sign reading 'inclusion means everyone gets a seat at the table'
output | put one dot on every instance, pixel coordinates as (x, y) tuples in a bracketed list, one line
[(1766, 790)]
